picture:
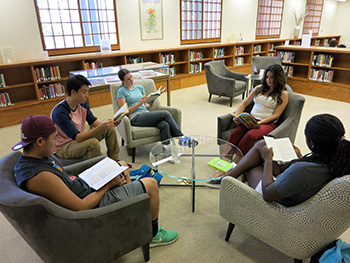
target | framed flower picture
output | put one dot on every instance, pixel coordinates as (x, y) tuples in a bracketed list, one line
[(151, 19)]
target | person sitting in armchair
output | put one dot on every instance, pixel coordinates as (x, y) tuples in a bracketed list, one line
[(37, 173)]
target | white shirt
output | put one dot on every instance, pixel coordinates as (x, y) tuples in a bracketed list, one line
[(264, 107)]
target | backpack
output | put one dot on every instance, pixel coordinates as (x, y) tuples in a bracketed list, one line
[(145, 171)]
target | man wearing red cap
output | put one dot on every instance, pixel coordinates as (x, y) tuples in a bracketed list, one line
[(70, 116), (37, 173)]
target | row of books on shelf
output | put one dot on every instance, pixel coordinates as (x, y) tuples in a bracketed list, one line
[(289, 70), (172, 72), (51, 91), (2, 81), (271, 47), (286, 56), (5, 100), (196, 55), (321, 75), (134, 60), (196, 67), (47, 73), (219, 52), (92, 65), (239, 50), (257, 48), (239, 61), (322, 60), (168, 58)]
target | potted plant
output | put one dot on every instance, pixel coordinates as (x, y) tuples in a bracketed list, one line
[(298, 19)]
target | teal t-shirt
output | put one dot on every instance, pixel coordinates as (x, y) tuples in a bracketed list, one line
[(132, 96)]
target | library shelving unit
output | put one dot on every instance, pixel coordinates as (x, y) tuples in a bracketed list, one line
[(319, 71), (25, 89)]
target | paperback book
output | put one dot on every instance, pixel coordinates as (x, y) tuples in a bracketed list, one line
[(102, 173), (221, 165), (152, 96), (283, 150), (121, 113), (246, 119)]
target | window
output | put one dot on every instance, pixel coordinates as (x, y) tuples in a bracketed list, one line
[(76, 26), (200, 21), (313, 18), (269, 20)]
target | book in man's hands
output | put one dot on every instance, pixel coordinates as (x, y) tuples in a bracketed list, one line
[(221, 165), (120, 114), (283, 150), (152, 96), (102, 172), (246, 119)]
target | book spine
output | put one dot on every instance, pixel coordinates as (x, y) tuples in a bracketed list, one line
[(58, 72), (2, 80), (42, 75)]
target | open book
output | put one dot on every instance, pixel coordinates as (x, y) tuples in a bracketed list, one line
[(221, 165), (283, 150), (102, 172), (246, 119), (152, 96), (120, 114)]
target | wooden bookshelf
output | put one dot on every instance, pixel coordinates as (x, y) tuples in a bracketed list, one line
[(24, 88), (304, 64)]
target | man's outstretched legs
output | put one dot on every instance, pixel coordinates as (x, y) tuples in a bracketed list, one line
[(160, 236)]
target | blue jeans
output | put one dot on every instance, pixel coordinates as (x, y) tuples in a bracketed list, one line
[(161, 119)]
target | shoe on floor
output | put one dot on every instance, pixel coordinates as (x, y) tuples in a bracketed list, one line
[(214, 183), (164, 237)]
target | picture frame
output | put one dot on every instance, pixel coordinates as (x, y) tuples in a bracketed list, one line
[(7, 54), (151, 19)]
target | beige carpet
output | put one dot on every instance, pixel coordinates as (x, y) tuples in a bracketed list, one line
[(201, 233)]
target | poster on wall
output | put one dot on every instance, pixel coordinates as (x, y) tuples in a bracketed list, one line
[(151, 19)]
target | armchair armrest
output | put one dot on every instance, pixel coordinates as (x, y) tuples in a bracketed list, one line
[(225, 123), (117, 229), (236, 75), (283, 130), (78, 168)]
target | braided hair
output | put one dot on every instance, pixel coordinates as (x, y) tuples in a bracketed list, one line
[(279, 82), (325, 134)]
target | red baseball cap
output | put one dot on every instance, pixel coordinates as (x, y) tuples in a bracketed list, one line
[(32, 128)]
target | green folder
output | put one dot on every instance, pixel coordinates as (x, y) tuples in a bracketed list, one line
[(220, 164)]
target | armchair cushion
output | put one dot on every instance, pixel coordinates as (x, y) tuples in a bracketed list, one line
[(223, 82), (298, 231), (99, 235)]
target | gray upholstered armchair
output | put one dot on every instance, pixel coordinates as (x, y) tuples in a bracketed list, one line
[(299, 231), (58, 234), (223, 82), (135, 136), (287, 124), (263, 62)]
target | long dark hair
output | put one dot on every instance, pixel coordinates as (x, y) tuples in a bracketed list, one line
[(325, 134), (279, 82)]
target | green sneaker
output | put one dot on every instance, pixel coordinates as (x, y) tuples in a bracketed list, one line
[(164, 237)]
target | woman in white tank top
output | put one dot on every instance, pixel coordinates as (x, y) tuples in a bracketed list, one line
[(270, 98)]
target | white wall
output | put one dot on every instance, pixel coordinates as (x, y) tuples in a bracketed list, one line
[(238, 17), (19, 24), (19, 28), (342, 22)]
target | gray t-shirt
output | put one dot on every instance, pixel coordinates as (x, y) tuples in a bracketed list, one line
[(301, 181)]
